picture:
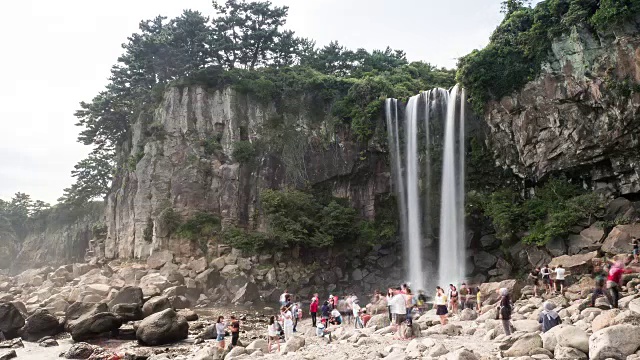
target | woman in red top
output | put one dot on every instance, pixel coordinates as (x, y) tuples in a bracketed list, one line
[(313, 308), (614, 278)]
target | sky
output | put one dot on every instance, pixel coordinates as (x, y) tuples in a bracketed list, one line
[(58, 53)]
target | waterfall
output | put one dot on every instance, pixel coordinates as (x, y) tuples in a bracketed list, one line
[(414, 245), (413, 180), (451, 259)]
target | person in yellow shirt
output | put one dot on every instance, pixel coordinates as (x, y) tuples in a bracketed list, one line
[(478, 300)]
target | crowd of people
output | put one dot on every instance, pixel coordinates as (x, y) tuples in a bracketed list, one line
[(403, 304)]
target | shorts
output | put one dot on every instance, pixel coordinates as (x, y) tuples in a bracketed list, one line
[(400, 318), (635, 252), (534, 282), (442, 310), (560, 282), (546, 280), (220, 337)]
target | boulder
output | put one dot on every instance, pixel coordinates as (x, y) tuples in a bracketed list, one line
[(568, 353), (634, 305), (190, 315), (39, 325), (526, 325), (127, 295), (566, 335), (524, 345), (438, 350), (249, 292), (161, 328), (489, 290), (11, 344), (468, 315), (153, 284), (79, 309), (294, 344), (179, 302), (218, 264), (155, 305), (128, 312), (619, 239), (208, 279), (92, 325), (80, 350), (8, 354), (99, 289), (461, 354), (11, 320), (484, 260), (378, 321), (617, 341), (576, 264), (588, 240), (199, 265), (604, 319), (158, 259)]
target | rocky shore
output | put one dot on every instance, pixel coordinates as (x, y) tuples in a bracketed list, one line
[(163, 310)]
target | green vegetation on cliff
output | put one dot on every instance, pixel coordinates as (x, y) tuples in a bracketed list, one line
[(522, 42), (244, 46), (549, 213)]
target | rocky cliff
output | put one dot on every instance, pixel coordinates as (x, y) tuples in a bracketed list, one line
[(182, 157), (60, 236), (580, 116)]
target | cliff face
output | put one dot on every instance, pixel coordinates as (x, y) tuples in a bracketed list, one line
[(581, 115), (59, 237), (181, 157)]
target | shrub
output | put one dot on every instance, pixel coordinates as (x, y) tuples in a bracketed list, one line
[(211, 146), (243, 152), (170, 219), (147, 233)]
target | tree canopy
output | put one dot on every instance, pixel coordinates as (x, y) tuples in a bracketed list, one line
[(245, 43)]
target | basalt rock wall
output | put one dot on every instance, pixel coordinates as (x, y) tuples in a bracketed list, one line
[(181, 156), (581, 116)]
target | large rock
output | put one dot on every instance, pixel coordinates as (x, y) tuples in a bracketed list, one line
[(79, 309), (92, 325), (80, 350), (568, 353), (158, 259), (484, 261), (588, 240), (566, 335), (162, 328), (576, 264), (619, 239), (461, 354), (208, 279), (618, 342), (153, 284), (155, 305), (490, 294), (249, 292), (526, 325), (128, 312), (39, 325), (8, 354), (524, 345), (127, 295), (294, 344), (11, 320)]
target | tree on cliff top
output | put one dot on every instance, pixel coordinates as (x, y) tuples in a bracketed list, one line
[(244, 44)]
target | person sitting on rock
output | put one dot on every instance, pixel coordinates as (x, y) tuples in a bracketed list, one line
[(364, 318), (336, 317), (321, 330), (548, 317)]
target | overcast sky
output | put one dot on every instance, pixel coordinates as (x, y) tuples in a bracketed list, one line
[(58, 53)]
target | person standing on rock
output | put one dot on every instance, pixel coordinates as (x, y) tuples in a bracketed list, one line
[(464, 295), (294, 312), (478, 300), (326, 312), (440, 304), (221, 327), (548, 317), (534, 280), (546, 278), (389, 297), (453, 298), (313, 308), (355, 308), (272, 333), (422, 301), (287, 316), (235, 331), (398, 311), (504, 310), (615, 278), (560, 278), (409, 303), (600, 277), (636, 249)]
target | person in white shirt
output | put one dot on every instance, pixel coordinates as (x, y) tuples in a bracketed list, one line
[(440, 304), (283, 298), (398, 311), (560, 278), (272, 332), (355, 308), (287, 316), (337, 317)]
